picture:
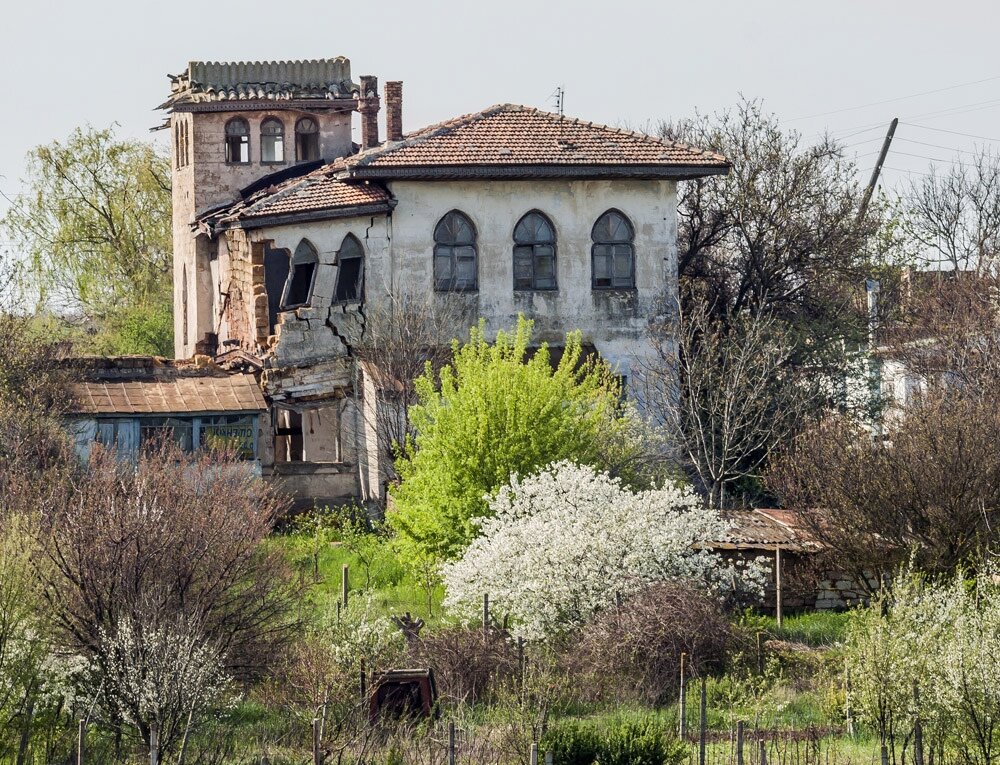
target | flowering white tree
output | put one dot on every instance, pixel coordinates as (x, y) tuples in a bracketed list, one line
[(166, 675), (563, 544)]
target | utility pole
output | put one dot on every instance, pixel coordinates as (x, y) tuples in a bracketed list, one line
[(878, 169)]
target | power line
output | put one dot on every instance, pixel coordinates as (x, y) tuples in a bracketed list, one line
[(952, 132), (898, 98), (939, 146)]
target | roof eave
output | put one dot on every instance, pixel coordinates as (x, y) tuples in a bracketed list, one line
[(581, 172), (286, 219)]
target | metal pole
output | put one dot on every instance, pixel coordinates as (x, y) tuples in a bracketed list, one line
[(739, 743), (344, 584), (918, 731), (317, 760), (451, 743), (154, 743), (534, 753), (486, 616)]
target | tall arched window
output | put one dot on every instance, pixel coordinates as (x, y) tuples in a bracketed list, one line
[(613, 252), (177, 145), (534, 253), (350, 271), (237, 141), (455, 266), (272, 141), (298, 288), (306, 139)]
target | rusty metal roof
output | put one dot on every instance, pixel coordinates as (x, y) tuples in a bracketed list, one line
[(122, 386), (766, 529)]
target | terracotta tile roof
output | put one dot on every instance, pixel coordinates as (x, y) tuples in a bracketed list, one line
[(319, 191), (208, 81), (150, 385), (520, 138)]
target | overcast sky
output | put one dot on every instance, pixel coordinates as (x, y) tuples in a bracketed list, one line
[(628, 62)]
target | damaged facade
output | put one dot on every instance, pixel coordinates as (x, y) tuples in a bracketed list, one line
[(288, 237)]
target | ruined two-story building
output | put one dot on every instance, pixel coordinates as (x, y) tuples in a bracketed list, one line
[(289, 236)]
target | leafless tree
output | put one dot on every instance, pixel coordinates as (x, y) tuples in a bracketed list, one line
[(953, 215), (932, 491), (728, 394), (402, 335)]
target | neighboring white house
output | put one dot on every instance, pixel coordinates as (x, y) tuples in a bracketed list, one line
[(287, 236)]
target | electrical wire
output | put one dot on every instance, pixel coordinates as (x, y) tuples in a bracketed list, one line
[(952, 132), (898, 98)]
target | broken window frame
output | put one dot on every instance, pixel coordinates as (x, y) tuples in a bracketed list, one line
[(533, 246), (305, 258), (272, 139), (351, 251), (613, 237), (454, 243), (307, 139), (130, 435), (237, 141)]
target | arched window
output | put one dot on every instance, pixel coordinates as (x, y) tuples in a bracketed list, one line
[(184, 145), (455, 266), (350, 271), (237, 141), (177, 145), (298, 288), (534, 253), (306, 139), (272, 141), (613, 252)]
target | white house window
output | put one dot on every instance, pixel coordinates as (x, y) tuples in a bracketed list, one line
[(350, 271), (237, 141), (534, 253), (306, 139), (272, 141), (613, 252), (455, 266), (298, 288)]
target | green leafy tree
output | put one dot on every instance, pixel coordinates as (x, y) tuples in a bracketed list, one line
[(498, 409), (92, 231)]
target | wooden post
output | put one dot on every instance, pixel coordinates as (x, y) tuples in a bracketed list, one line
[(548, 758), (848, 714), (703, 724), (760, 653), (533, 759), (451, 743), (317, 758), (81, 741), (154, 743), (486, 616), (739, 743), (345, 583), (918, 732), (363, 686), (777, 584), (682, 704), (763, 752)]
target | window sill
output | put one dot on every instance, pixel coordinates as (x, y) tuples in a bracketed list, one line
[(526, 290), (615, 289), (239, 164), (451, 290), (273, 164)]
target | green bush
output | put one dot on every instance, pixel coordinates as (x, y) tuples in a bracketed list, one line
[(622, 740)]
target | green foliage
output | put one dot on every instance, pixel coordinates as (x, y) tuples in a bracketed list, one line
[(93, 226), (497, 410), (625, 739)]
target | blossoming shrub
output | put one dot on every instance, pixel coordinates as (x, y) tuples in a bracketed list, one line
[(561, 545), (931, 651)]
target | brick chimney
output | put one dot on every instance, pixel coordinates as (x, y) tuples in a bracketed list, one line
[(368, 105), (394, 110)]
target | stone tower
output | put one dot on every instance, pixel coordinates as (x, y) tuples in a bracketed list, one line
[(236, 128)]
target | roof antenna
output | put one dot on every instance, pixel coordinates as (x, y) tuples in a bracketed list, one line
[(559, 96)]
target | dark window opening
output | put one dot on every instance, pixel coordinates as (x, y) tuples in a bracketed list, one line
[(306, 140), (289, 445), (277, 264), (455, 254), (272, 141), (154, 431), (298, 287), (534, 253), (350, 271), (613, 252), (237, 142)]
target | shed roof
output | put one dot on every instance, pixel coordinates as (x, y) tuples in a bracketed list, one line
[(123, 386)]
